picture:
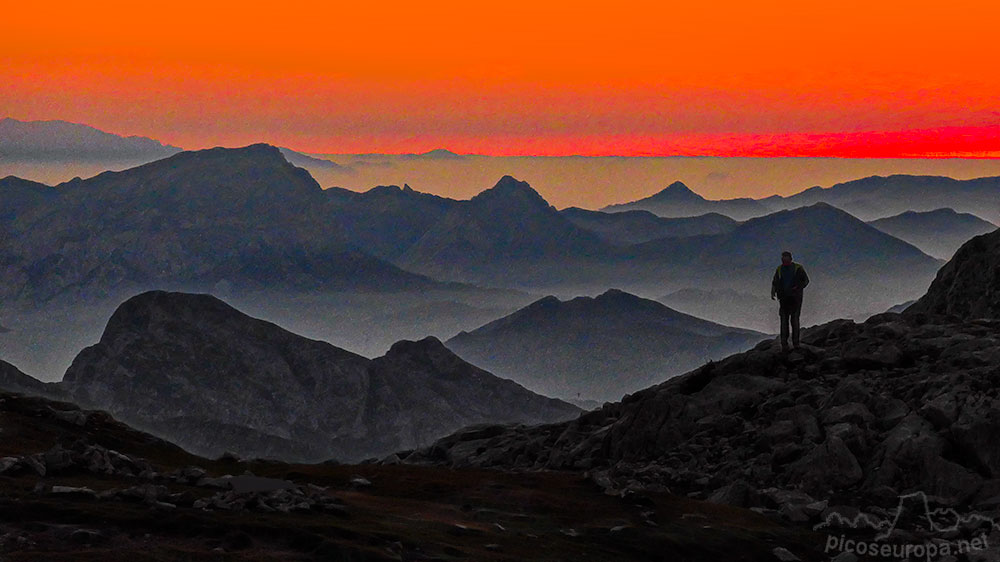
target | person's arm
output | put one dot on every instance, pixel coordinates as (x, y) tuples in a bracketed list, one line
[(774, 284), (804, 280)]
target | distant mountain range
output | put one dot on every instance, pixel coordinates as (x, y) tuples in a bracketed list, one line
[(938, 233), (597, 348), (61, 140), (244, 218), (677, 200), (856, 269), (505, 227), (878, 197), (633, 227), (238, 221), (199, 372), (868, 199), (387, 220)]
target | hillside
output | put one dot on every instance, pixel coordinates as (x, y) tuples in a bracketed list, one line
[(244, 218), (508, 225), (596, 348), (938, 233), (77, 485), (200, 373), (862, 417)]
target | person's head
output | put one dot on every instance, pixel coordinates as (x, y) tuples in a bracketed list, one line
[(786, 258)]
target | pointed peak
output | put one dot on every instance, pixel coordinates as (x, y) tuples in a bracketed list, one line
[(512, 189), (510, 182), (677, 191), (440, 153)]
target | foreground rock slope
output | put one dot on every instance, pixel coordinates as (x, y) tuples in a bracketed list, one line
[(77, 485), (862, 414)]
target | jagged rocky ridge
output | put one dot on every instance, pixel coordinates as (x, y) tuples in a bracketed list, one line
[(860, 415), (196, 371)]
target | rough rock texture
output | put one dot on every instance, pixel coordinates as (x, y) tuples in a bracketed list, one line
[(200, 373), (968, 286), (862, 413)]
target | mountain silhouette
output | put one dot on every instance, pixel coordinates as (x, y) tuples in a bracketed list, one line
[(245, 217), (596, 348), (61, 140), (826, 234), (200, 373), (856, 269), (386, 220), (938, 233), (507, 224), (633, 227), (877, 197), (22, 199), (677, 200)]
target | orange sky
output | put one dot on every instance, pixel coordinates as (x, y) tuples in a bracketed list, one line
[(872, 78)]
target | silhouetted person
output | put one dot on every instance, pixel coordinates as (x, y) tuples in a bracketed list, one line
[(789, 280)]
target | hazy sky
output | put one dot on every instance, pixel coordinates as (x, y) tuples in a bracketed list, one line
[(885, 78)]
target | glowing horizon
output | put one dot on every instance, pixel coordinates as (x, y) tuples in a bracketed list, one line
[(878, 80)]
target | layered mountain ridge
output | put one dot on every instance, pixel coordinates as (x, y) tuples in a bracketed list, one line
[(196, 371), (861, 415), (596, 348)]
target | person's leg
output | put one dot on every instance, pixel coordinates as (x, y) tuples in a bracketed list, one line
[(794, 316), (783, 316)]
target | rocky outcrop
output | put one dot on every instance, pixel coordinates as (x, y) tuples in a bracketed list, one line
[(859, 415), (196, 371), (968, 286)]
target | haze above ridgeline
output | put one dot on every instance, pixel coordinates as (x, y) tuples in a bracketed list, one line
[(938, 233), (580, 181)]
